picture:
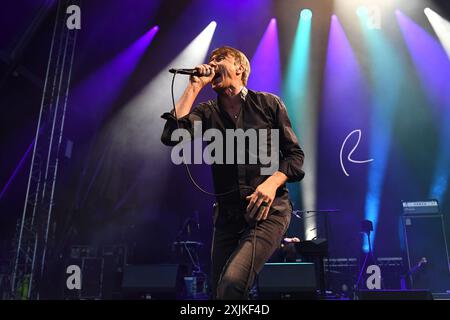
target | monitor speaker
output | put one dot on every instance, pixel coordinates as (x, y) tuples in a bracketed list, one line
[(158, 281), (287, 281), (394, 295)]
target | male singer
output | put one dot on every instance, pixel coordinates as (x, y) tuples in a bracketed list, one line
[(250, 201)]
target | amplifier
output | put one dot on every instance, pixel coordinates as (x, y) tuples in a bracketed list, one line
[(420, 207), (427, 252)]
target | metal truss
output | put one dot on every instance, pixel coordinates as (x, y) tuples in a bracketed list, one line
[(34, 228)]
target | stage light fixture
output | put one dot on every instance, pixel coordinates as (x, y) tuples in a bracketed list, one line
[(306, 14), (362, 11)]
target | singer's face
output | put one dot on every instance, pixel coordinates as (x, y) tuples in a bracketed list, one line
[(227, 74)]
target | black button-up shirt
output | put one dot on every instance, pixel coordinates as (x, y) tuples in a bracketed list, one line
[(259, 110)]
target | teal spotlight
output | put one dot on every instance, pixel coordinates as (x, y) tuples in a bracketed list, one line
[(306, 14), (362, 11)]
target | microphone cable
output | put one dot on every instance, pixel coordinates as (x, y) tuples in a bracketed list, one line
[(252, 264)]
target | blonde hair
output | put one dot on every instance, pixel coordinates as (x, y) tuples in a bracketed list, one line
[(239, 59)]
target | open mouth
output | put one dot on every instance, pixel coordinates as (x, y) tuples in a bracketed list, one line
[(217, 78)]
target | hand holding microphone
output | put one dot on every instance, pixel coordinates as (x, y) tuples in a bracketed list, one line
[(200, 76), (204, 75)]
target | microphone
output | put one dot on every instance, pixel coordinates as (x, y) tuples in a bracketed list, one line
[(189, 72)]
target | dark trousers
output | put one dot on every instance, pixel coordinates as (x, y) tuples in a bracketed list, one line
[(232, 248)]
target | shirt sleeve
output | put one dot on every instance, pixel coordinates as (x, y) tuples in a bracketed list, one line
[(186, 122), (292, 155)]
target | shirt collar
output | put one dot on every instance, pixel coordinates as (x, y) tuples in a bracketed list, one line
[(243, 93)]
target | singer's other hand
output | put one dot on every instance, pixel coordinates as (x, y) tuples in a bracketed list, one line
[(207, 74)]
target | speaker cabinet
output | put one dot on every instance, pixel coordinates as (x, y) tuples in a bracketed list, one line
[(287, 281), (394, 295), (427, 252), (92, 276), (91, 269)]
